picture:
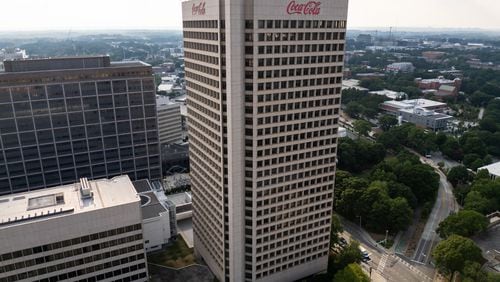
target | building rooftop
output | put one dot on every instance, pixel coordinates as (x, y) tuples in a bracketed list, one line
[(447, 88), (388, 93), (422, 103), (492, 168), (150, 205), (427, 113), (66, 199), (50, 65)]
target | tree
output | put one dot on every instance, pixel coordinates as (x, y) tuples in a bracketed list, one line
[(477, 202), (451, 254), (335, 229), (348, 255), (464, 223), (351, 273), (387, 122), (422, 180), (458, 175), (400, 214), (362, 127)]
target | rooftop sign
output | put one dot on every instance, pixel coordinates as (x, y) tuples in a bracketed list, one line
[(199, 9), (309, 8)]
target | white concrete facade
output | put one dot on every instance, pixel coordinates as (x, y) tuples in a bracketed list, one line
[(264, 81), (59, 234), (169, 121), (156, 231)]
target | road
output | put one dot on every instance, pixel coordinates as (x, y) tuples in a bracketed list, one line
[(390, 266), (481, 114), (444, 206)]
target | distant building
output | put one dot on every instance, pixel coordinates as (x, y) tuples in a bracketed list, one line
[(164, 68), (425, 118), (477, 64), (371, 75), (421, 112), (364, 38), (400, 67), (11, 54), (446, 91), (169, 120), (389, 94), (433, 56), (436, 83), (493, 170), (395, 106), (86, 231), (66, 118), (352, 84)]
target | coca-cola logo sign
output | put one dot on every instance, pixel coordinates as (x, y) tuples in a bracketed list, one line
[(198, 9), (309, 8)]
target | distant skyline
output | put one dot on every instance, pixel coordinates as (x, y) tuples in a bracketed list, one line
[(68, 15)]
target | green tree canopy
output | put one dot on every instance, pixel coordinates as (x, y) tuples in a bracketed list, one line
[(362, 127), (351, 273), (464, 223), (452, 253), (387, 122), (458, 175)]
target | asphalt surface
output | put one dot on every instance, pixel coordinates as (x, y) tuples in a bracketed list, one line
[(444, 206), (385, 263)]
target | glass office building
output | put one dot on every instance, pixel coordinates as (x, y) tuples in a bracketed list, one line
[(67, 118)]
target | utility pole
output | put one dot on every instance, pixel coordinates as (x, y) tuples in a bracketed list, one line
[(386, 233)]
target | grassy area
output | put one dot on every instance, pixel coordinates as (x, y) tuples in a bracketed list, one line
[(176, 255)]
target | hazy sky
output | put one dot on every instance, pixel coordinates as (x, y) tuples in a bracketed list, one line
[(151, 14)]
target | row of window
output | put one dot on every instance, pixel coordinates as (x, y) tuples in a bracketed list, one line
[(300, 24), (285, 96), (285, 61), (268, 74), (297, 36), (108, 275), (69, 176), (78, 105), (67, 255), (203, 79), (284, 267), (290, 84), (70, 242), (299, 243), (299, 49), (200, 24), (72, 76), (201, 46), (203, 69), (55, 91), (201, 89), (269, 234), (203, 58), (201, 35)]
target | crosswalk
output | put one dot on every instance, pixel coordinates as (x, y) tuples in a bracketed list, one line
[(382, 263)]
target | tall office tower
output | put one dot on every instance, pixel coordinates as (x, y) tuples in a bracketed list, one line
[(264, 82), (62, 119), (86, 231)]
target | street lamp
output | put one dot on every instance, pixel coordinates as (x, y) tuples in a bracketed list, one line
[(386, 233), (359, 221)]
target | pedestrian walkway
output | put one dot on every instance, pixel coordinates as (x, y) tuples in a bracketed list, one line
[(382, 263)]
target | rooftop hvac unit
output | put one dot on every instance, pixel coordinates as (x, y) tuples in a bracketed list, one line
[(85, 189)]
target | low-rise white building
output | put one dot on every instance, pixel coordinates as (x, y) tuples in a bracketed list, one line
[(158, 219), (493, 170), (87, 231), (400, 67)]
